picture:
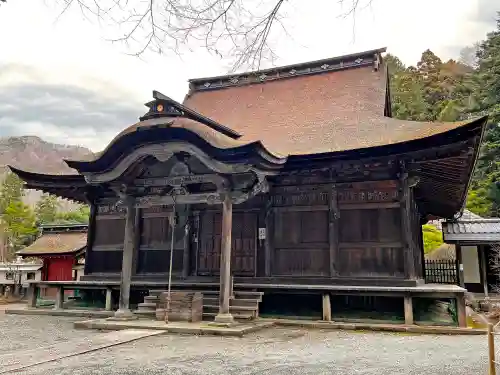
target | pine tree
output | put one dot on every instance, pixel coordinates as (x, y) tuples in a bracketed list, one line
[(46, 209), (484, 188), (11, 190), (19, 220)]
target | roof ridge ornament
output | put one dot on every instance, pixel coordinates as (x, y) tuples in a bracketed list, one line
[(164, 106)]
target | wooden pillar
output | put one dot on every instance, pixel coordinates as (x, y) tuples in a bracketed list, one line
[(267, 241), (137, 239), (224, 316), (459, 265), (109, 299), (483, 266), (186, 262), (333, 232), (196, 239), (408, 303), (59, 303), (406, 230), (327, 308), (32, 295), (461, 311), (129, 243), (90, 235)]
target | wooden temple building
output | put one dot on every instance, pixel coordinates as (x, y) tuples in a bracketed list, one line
[(294, 179), (59, 248)]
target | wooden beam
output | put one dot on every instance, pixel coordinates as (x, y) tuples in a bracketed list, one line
[(327, 308), (196, 240), (129, 243), (90, 237), (333, 232), (269, 233), (224, 316), (409, 263), (138, 225), (186, 251), (408, 307), (483, 266), (461, 311)]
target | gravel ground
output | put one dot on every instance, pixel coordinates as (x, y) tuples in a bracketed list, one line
[(270, 352), (23, 332)]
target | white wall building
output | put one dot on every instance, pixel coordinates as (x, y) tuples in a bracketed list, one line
[(19, 273)]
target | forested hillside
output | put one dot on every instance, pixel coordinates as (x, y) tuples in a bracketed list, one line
[(437, 90)]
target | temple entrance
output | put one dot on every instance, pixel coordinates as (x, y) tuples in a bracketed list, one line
[(244, 243), (156, 237)]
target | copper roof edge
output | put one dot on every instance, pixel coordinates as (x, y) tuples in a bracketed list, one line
[(483, 120), (292, 66)]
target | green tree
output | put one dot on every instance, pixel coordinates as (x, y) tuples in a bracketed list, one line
[(20, 225), (46, 209), (433, 238), (11, 190), (487, 101), (79, 216)]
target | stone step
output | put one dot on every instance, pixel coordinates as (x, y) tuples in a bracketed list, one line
[(146, 313), (254, 303), (238, 316), (215, 293), (151, 299), (146, 306), (215, 308)]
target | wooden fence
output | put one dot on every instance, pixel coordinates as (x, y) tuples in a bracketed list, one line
[(441, 272)]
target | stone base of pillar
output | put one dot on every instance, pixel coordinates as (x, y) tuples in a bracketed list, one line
[(224, 320), (124, 315)]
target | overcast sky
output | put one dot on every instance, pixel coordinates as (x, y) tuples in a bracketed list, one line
[(60, 79)]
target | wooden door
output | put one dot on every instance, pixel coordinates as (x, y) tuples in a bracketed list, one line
[(243, 239)]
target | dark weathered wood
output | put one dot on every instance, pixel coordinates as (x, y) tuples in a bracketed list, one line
[(483, 267), (90, 236), (364, 245), (195, 242), (137, 239), (406, 230), (333, 232), (186, 261), (269, 236), (301, 208), (301, 243), (368, 206)]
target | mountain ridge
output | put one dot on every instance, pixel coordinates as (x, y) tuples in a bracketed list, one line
[(33, 154)]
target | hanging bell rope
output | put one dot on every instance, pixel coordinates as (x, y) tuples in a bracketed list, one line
[(172, 228)]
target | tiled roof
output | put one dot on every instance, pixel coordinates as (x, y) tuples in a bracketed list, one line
[(317, 113), (56, 243), (472, 230)]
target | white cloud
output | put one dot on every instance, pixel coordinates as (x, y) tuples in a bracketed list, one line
[(72, 52)]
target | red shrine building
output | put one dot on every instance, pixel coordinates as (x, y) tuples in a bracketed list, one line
[(60, 248), (290, 183)]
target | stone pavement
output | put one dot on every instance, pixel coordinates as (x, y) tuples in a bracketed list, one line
[(16, 361), (275, 351)]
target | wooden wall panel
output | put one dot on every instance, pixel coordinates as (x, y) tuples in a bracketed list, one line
[(371, 262), (105, 261), (301, 243), (243, 238), (109, 233), (370, 225)]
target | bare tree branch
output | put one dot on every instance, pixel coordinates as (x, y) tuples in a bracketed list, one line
[(236, 29)]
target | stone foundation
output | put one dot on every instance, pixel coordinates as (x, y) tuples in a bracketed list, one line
[(184, 306)]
